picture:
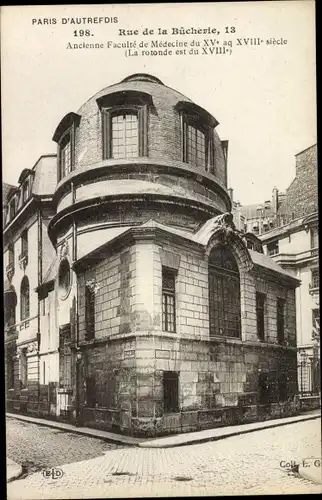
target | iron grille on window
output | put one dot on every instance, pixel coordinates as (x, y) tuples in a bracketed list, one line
[(168, 300), (280, 321), (224, 294), (65, 356), (260, 314), (315, 278), (65, 156), (171, 391), (125, 136), (89, 313)]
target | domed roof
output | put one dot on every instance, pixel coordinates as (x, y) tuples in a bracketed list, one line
[(142, 77), (141, 82)]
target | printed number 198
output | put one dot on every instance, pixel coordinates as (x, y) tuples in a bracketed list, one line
[(82, 33)]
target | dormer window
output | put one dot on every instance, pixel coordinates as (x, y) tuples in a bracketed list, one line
[(65, 156), (197, 132), (65, 136), (125, 124), (125, 135), (12, 208), (197, 143), (25, 191)]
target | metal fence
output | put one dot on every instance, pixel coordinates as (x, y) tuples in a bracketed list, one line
[(309, 377)]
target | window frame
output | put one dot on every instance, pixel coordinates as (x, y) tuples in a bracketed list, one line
[(89, 313), (169, 302), (315, 278), (273, 252), (314, 235), (23, 368), (187, 120), (280, 320), (168, 406), (219, 274), (24, 243), (12, 204), (25, 300), (25, 187), (70, 134), (11, 256), (141, 110), (260, 315)]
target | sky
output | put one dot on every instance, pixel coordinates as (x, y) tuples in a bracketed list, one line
[(264, 98)]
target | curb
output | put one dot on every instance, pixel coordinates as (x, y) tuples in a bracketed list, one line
[(94, 433), (199, 440), (14, 470), (312, 473)]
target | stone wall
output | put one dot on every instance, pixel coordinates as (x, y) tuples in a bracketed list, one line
[(302, 194)]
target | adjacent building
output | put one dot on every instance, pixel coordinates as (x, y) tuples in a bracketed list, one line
[(287, 225), (133, 303)]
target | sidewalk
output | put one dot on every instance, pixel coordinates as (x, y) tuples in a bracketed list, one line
[(13, 470), (174, 440), (85, 431), (312, 469), (224, 432)]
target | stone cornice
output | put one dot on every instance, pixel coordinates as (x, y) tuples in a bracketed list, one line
[(75, 211), (129, 238), (143, 164)]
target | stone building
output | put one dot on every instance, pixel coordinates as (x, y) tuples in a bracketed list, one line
[(142, 308), (295, 247)]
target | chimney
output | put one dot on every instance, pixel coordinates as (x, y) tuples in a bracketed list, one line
[(275, 200)]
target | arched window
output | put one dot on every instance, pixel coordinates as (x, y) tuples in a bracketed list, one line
[(24, 299), (224, 294)]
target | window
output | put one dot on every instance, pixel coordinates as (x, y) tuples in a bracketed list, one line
[(64, 279), (10, 303), (316, 324), (11, 255), (260, 314), (250, 245), (24, 243), (23, 367), (91, 392), (89, 313), (125, 136), (197, 144), (65, 155), (25, 191), (12, 208), (314, 237), (224, 293), (24, 299), (282, 387), (65, 356), (280, 321), (10, 370), (272, 248), (168, 300), (315, 278), (125, 131), (171, 391)]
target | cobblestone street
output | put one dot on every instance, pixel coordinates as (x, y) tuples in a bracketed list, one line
[(35, 447), (246, 464)]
